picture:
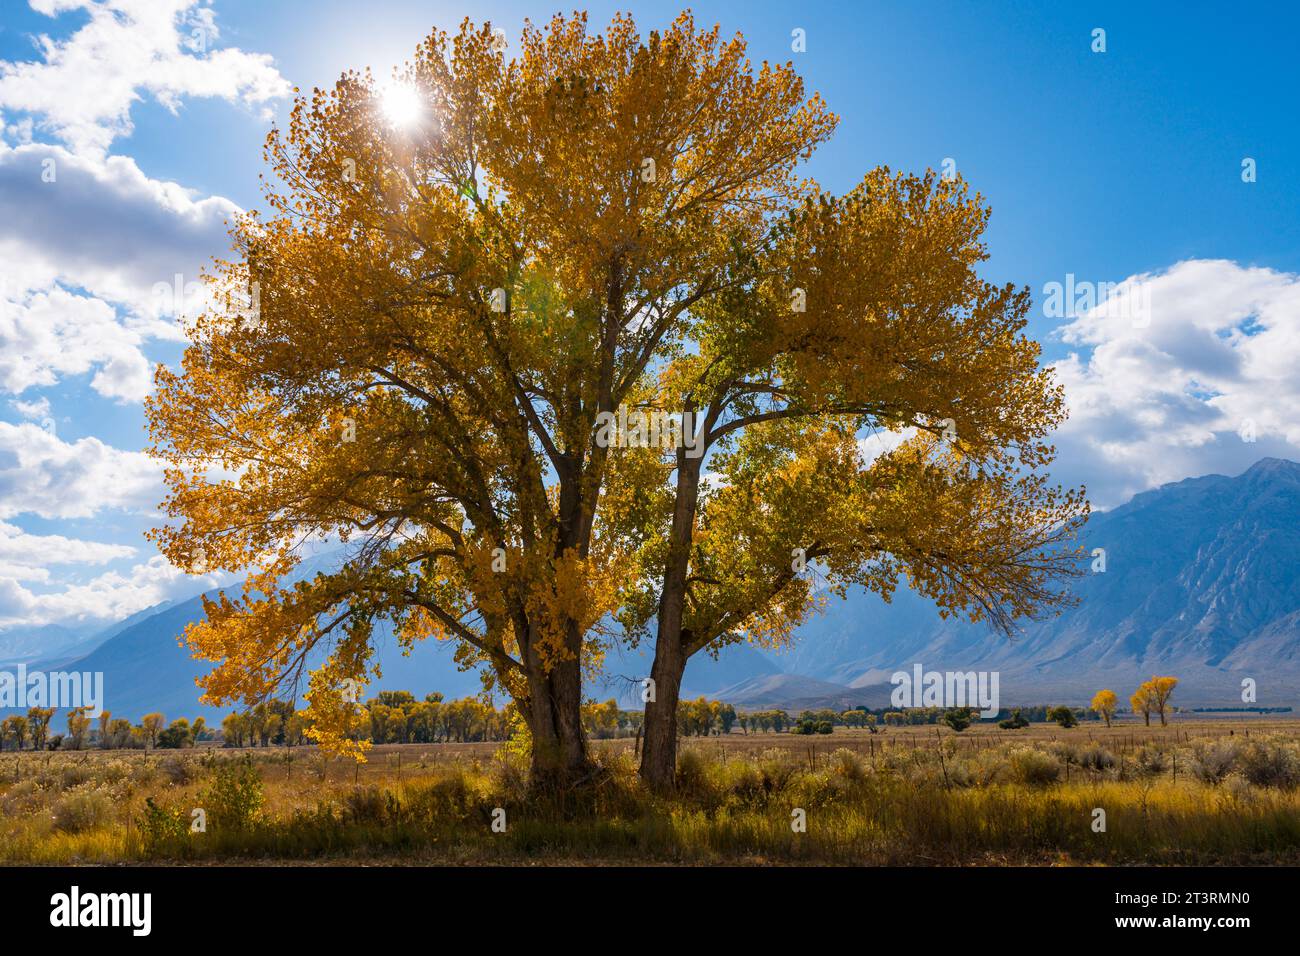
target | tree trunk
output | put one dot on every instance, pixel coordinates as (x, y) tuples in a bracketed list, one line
[(659, 759), (659, 756), (560, 761)]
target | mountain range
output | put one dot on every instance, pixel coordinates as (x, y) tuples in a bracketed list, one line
[(1201, 581)]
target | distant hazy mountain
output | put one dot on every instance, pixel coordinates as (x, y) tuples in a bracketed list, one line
[(33, 643), (794, 692), (1202, 581), (624, 669), (54, 644)]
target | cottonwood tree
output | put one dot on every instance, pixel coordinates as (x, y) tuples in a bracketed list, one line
[(1143, 702), (38, 719), (78, 727), (14, 727), (458, 313), (151, 725), (105, 720), (1103, 704), (1154, 696)]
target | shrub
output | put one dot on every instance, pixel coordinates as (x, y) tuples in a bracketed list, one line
[(454, 796), (176, 769), (1033, 768), (1096, 758), (824, 727), (848, 765), (1151, 760), (82, 809), (162, 827), (744, 785), (1014, 722), (775, 770), (1211, 763), (22, 796), (369, 805), (73, 775), (1063, 716), (959, 718), (692, 772), (235, 797), (176, 736), (964, 772), (1270, 763), (1064, 751)]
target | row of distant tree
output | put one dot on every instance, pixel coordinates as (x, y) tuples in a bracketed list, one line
[(397, 717), (1151, 697), (105, 731)]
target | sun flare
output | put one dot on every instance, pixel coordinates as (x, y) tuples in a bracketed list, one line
[(402, 105)]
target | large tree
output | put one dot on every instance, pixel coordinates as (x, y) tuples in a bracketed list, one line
[(478, 275)]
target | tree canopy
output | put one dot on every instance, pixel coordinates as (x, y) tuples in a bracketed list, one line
[(452, 341)]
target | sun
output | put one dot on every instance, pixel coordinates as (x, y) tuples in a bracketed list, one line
[(402, 105)]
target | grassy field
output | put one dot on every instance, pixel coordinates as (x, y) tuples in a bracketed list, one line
[(1221, 791)]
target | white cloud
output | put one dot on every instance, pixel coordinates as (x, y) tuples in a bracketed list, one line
[(105, 227), (82, 88), (57, 333), (96, 260), (881, 442), (1170, 396), (42, 475), (110, 596), (36, 409), (92, 264), (27, 557)]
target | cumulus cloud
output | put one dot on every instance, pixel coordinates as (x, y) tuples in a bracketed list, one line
[(36, 409), (95, 264), (42, 475), (1202, 381), (105, 227), (49, 335), (96, 261), (110, 596), (41, 580), (81, 89), (27, 557)]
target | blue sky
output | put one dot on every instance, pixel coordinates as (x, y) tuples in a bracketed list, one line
[(1122, 166)]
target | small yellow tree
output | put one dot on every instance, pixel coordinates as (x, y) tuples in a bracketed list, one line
[(1161, 690), (78, 727), (1142, 702), (39, 722), (1104, 704), (151, 726)]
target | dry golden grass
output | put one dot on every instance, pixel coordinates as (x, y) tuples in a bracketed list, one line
[(1196, 792)]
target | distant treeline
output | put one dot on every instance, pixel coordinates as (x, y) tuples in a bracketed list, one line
[(1037, 713), (397, 717), (105, 732)]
